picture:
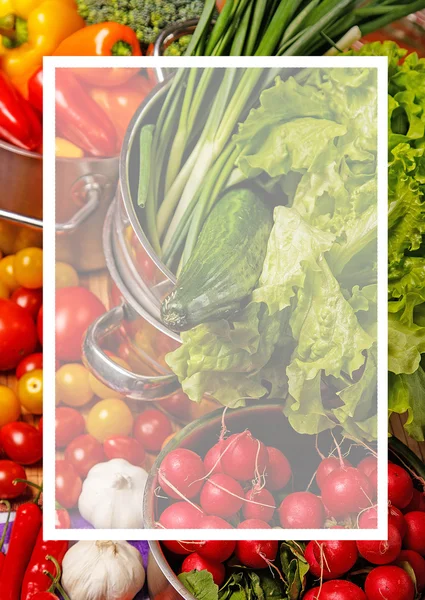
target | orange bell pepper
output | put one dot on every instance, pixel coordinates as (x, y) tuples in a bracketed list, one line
[(102, 39), (35, 28), (120, 103)]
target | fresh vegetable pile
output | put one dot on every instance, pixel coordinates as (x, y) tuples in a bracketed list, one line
[(240, 482), (320, 570)]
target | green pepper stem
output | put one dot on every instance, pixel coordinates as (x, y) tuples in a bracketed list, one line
[(121, 48)]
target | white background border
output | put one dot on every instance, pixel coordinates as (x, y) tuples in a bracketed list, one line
[(49, 65)]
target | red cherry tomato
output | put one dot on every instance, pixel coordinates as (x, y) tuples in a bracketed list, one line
[(29, 363), (121, 446), (83, 453), (220, 5), (22, 442), (18, 336), (76, 309), (69, 424), (151, 428), (40, 426), (62, 519), (146, 266), (9, 471), (67, 484), (178, 404), (40, 325), (29, 299)]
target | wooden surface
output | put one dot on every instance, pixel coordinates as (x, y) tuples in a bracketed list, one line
[(98, 284)]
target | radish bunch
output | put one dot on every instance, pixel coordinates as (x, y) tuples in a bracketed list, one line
[(235, 484)]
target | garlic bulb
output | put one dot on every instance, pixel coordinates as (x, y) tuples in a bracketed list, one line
[(102, 571), (112, 495)]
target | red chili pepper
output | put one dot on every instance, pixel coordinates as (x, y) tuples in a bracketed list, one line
[(35, 90), (3, 535), (80, 119), (62, 519), (36, 580), (19, 123), (27, 524), (44, 596)]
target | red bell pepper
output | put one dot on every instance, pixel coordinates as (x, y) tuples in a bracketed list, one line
[(19, 123), (80, 120), (35, 90), (26, 527), (62, 519), (36, 580)]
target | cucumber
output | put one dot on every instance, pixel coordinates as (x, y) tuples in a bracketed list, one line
[(225, 264)]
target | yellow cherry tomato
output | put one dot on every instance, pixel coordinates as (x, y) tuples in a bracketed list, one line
[(102, 390), (109, 417), (7, 272), (8, 233), (27, 237), (4, 290), (29, 268), (65, 275), (72, 385), (10, 409), (30, 391)]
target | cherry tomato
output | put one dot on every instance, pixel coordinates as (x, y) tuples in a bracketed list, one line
[(108, 418), (40, 426), (121, 446), (69, 424), (9, 471), (151, 428), (76, 309), (29, 363), (62, 520), (220, 5), (18, 337), (22, 442), (4, 291), (40, 325), (29, 267), (29, 299), (65, 275), (84, 452), (72, 385), (146, 266), (67, 484), (178, 404), (7, 272), (30, 391), (10, 409)]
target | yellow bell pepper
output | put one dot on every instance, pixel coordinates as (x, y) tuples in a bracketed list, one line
[(66, 149), (33, 29)]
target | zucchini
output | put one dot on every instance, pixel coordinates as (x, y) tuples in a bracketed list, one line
[(225, 264)]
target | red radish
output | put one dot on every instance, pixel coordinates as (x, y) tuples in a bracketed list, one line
[(338, 589), (221, 496), (346, 491), (315, 569), (181, 515), (253, 524), (265, 508), (183, 470), (373, 478), (327, 466), (368, 464), (396, 517), (301, 510), (180, 546), (368, 519), (415, 534), (417, 502), (337, 557), (212, 460), (256, 555), (417, 563), (212, 522), (199, 563), (381, 552), (279, 470), (389, 583), (400, 486), (244, 457), (216, 550)]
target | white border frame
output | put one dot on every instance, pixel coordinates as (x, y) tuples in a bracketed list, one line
[(49, 66)]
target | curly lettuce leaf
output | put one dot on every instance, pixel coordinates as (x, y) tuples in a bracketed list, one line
[(406, 395)]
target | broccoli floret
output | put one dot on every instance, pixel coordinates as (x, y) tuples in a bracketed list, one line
[(178, 48), (146, 17)]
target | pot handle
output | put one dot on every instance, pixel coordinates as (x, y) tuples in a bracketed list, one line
[(127, 383)]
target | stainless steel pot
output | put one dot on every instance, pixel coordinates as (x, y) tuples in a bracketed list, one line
[(167, 37), (162, 582)]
